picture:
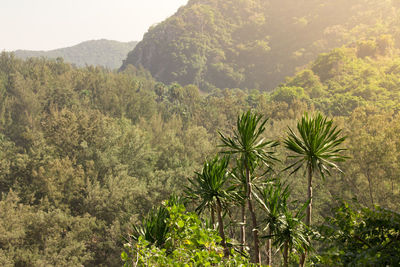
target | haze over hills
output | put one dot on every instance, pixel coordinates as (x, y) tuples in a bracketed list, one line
[(106, 53), (255, 43)]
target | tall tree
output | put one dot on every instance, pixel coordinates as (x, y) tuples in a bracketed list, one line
[(285, 228), (211, 187), (291, 234), (318, 148), (273, 199), (253, 151)]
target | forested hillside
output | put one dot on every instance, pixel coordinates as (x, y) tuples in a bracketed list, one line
[(255, 44), (237, 132), (106, 53), (86, 152)]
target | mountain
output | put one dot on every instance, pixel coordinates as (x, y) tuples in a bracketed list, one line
[(102, 52), (255, 44), (346, 78)]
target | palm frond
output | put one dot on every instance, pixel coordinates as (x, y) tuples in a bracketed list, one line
[(317, 143), (248, 142)]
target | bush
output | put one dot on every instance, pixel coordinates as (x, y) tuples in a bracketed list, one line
[(187, 243)]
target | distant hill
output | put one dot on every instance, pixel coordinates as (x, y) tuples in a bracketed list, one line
[(102, 52), (255, 44)]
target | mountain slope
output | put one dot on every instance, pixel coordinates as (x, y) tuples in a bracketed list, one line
[(255, 43), (102, 52), (346, 78)]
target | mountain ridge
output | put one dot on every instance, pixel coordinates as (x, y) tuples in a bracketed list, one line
[(100, 52)]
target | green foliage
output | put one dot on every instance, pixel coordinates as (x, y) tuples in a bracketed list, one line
[(291, 235), (248, 143), (309, 82), (253, 152), (342, 80), (274, 199), (373, 164), (282, 225), (211, 184), (154, 229), (318, 145), (357, 235), (30, 236), (330, 64), (188, 243), (288, 94), (211, 188), (88, 144), (366, 49)]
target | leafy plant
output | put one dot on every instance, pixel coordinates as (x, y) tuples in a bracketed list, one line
[(154, 228), (360, 236), (253, 151), (188, 243), (210, 186), (318, 148), (286, 229)]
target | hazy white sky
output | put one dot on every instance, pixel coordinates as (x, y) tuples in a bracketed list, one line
[(50, 24)]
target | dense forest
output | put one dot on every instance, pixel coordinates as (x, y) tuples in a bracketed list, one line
[(86, 153), (105, 53), (162, 164)]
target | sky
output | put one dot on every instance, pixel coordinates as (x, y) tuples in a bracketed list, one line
[(52, 24)]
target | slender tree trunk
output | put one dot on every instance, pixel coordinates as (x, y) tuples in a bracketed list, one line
[(213, 217), (309, 211), (221, 228), (310, 196), (269, 248), (257, 254), (243, 228), (286, 254)]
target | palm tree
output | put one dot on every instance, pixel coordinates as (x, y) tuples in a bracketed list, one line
[(318, 148), (287, 229), (154, 228), (210, 187), (273, 199), (253, 151), (291, 234)]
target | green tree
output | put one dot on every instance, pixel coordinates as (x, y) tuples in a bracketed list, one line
[(273, 198), (359, 236), (254, 151), (318, 148), (283, 227), (211, 187), (291, 234)]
